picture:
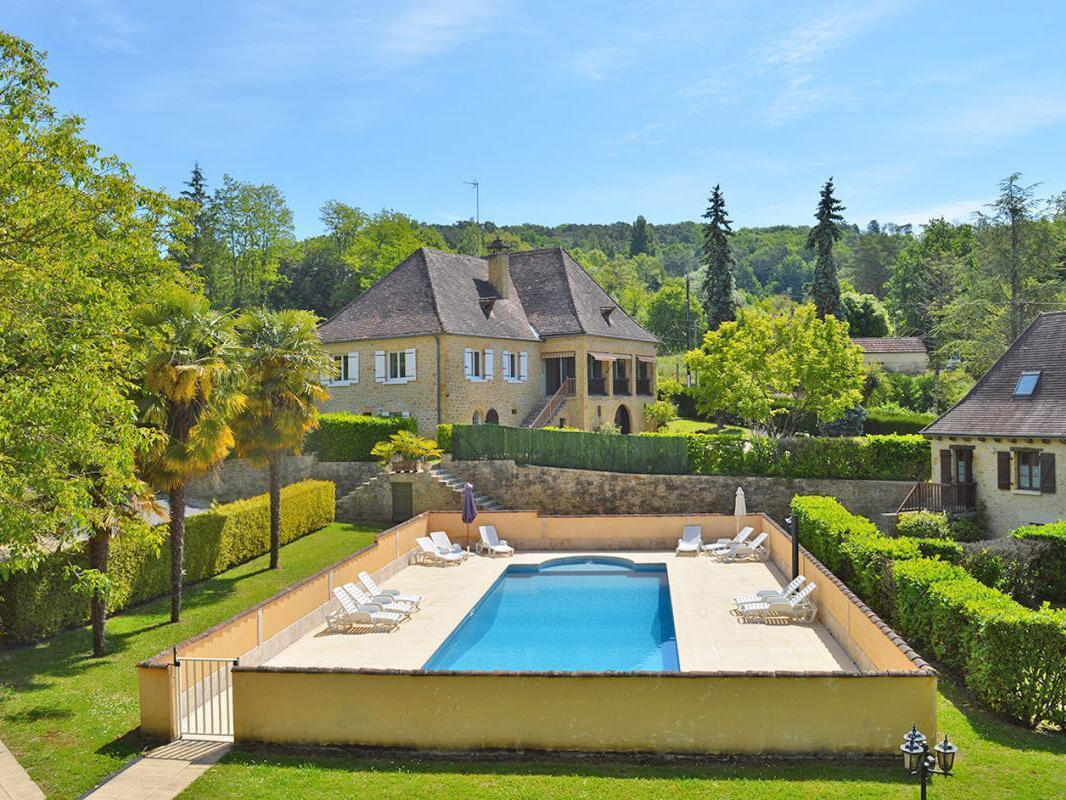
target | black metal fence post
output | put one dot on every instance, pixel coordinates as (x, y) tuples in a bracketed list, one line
[(793, 529)]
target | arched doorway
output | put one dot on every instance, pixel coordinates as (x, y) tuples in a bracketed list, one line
[(477, 417), (491, 417), (621, 419)]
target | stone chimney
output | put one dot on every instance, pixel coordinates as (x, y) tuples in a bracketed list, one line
[(500, 267)]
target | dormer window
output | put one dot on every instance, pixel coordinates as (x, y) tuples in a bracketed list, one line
[(486, 304), (1027, 382), (606, 312)]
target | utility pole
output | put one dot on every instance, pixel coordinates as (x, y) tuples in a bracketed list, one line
[(477, 209), (688, 326)]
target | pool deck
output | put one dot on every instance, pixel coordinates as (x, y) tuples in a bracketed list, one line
[(709, 637)]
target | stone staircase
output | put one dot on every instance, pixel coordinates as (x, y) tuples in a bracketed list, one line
[(443, 476)]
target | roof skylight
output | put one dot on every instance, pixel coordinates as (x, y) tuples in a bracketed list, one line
[(1027, 382)]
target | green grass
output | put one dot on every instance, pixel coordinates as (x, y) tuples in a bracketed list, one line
[(997, 759), (71, 719), (684, 426)]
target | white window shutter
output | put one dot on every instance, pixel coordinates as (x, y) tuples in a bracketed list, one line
[(409, 363), (353, 367), (468, 363), (379, 366), (523, 366), (507, 365), (489, 365)]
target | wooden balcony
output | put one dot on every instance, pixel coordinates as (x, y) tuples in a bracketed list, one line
[(953, 498)]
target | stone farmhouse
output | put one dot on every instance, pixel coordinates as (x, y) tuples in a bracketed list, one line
[(997, 447), (520, 339), (894, 353)]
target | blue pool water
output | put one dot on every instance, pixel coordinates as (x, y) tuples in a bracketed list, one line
[(569, 614)]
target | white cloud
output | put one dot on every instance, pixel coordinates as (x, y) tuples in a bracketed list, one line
[(428, 27), (800, 98), (597, 63), (811, 40)]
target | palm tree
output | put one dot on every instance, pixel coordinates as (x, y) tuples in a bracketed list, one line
[(284, 362), (192, 389)]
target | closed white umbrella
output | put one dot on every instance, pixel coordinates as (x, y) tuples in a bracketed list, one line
[(740, 507)]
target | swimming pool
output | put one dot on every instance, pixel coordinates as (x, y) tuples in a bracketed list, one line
[(570, 614)]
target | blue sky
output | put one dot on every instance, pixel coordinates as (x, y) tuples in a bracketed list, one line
[(572, 112)]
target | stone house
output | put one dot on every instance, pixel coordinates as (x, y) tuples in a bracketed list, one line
[(998, 446), (894, 354), (527, 338)]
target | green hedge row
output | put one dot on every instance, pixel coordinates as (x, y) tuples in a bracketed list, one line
[(351, 437), (882, 421), (573, 449), (1048, 565), (1014, 658), (39, 603), (444, 437), (902, 458)]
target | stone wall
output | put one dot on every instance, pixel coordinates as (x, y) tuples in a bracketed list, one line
[(347, 475), (372, 501), (236, 479), (551, 490)]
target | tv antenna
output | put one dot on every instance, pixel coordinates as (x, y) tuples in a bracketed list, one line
[(477, 208)]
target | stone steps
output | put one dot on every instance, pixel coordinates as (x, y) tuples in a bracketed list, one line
[(484, 502)]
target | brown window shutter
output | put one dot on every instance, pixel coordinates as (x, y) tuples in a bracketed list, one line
[(945, 466), (1003, 469), (1047, 473)]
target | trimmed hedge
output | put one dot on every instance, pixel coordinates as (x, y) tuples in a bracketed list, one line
[(904, 458), (882, 421), (444, 437), (659, 454), (351, 437), (1013, 657), (926, 524), (1048, 566), (39, 603)]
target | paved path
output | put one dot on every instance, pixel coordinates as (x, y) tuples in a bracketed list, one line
[(15, 783), (161, 774)]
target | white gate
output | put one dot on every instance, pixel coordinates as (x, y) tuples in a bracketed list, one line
[(204, 688)]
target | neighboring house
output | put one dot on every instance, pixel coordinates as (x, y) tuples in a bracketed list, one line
[(895, 354), (998, 446), (527, 338)]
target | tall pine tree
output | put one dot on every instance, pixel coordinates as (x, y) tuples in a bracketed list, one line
[(718, 282), (195, 244), (642, 238), (825, 288)]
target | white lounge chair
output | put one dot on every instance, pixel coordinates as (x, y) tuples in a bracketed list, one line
[(754, 550), (690, 542), (395, 594), (491, 541), (444, 544), (429, 554), (767, 595), (798, 607), (742, 536), (383, 601), (351, 615)]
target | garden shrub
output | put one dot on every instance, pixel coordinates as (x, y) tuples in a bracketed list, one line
[(966, 529), (888, 420), (351, 437), (940, 548), (988, 567), (444, 437), (1048, 562), (36, 604), (923, 524)]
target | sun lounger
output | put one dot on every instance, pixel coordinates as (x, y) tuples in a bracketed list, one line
[(798, 608), (741, 537), (351, 615), (766, 595), (383, 601), (691, 541), (444, 544), (372, 587), (754, 550), (491, 541), (429, 554)]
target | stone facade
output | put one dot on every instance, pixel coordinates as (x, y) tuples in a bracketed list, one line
[(441, 391), (551, 490), (236, 479), (373, 501), (910, 363), (1006, 509)]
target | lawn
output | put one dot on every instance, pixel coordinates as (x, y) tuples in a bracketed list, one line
[(71, 719), (997, 759), (685, 426)]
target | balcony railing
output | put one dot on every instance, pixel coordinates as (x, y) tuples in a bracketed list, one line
[(597, 386), (953, 498), (621, 386), (644, 386)]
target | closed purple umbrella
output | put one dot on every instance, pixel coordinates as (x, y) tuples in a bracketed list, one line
[(469, 509)]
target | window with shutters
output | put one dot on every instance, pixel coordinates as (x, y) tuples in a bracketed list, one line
[(346, 370), (396, 366), (1028, 470), (479, 365)]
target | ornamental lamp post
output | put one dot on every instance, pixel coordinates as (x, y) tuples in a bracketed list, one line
[(917, 759)]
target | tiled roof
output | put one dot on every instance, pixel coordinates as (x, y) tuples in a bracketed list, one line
[(432, 292), (991, 409), (892, 344)]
